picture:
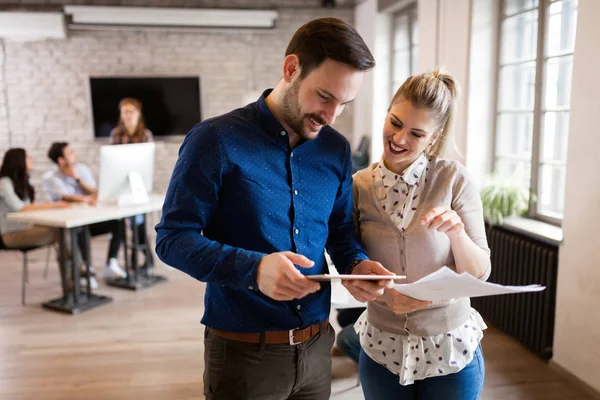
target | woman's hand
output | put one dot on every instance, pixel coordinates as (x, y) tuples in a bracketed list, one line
[(60, 204), (401, 304), (443, 219)]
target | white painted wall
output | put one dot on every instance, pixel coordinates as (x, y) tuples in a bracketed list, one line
[(577, 332)]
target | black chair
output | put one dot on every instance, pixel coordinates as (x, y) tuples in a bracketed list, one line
[(24, 251)]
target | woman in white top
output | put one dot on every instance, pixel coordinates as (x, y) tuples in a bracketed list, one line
[(416, 213), (17, 194)]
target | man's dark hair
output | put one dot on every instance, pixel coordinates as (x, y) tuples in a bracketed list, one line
[(56, 151), (331, 38)]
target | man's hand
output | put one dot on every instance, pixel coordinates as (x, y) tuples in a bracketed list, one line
[(89, 199), (278, 278), (401, 304), (368, 290), (69, 170)]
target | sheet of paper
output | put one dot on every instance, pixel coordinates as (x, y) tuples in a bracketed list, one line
[(445, 284)]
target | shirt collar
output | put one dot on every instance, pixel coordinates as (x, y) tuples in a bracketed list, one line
[(270, 123), (410, 176)]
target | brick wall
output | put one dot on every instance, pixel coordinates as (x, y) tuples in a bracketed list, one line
[(44, 88)]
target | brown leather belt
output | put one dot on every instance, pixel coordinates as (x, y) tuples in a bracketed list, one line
[(291, 337)]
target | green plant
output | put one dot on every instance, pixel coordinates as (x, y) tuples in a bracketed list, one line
[(502, 199)]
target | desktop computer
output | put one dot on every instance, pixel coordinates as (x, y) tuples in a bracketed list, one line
[(126, 173)]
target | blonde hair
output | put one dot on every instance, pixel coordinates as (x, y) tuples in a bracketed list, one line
[(437, 92)]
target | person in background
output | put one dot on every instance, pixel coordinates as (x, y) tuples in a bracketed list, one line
[(416, 213), (132, 129), (73, 182), (17, 194), (347, 341)]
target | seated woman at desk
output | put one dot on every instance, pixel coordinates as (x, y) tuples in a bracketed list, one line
[(132, 129), (417, 212), (17, 194)]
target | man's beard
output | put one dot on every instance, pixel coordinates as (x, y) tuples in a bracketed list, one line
[(293, 114)]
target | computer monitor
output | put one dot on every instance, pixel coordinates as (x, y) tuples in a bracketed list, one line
[(126, 173)]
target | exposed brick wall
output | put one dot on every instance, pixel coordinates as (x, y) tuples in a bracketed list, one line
[(47, 86)]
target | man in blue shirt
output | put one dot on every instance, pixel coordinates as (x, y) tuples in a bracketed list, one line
[(73, 181), (257, 193)]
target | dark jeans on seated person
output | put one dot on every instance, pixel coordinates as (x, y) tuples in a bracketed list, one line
[(237, 370), (103, 228), (347, 339)]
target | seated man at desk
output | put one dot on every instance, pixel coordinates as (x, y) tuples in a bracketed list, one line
[(73, 182)]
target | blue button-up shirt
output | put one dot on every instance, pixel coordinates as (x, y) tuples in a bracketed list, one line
[(239, 192)]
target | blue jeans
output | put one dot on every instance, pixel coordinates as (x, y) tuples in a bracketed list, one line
[(379, 383), (348, 342)]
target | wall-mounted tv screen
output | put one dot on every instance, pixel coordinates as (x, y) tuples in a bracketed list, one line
[(170, 105)]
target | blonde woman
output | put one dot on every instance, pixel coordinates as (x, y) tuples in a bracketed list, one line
[(417, 212), (131, 127)]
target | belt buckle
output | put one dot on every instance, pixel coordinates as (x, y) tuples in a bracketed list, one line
[(291, 338)]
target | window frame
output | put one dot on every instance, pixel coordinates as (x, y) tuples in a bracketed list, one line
[(539, 109), (410, 10)]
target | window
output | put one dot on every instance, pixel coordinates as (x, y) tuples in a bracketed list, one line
[(534, 90), (405, 48)]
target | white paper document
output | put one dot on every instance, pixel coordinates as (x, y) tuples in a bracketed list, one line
[(445, 284)]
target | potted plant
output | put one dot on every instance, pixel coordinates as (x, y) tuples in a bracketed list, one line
[(502, 199)]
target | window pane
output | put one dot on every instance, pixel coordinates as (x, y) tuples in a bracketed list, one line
[(401, 29), (555, 137), (414, 68), (514, 6), (517, 87), (561, 27), (401, 65), (518, 172), (415, 28), (415, 43), (514, 135), (519, 37), (551, 193), (558, 82)]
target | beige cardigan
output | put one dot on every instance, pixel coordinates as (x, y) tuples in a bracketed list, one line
[(420, 252)]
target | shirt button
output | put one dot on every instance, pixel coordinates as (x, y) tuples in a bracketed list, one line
[(296, 192), (251, 287), (292, 154), (297, 231), (282, 133), (298, 306)]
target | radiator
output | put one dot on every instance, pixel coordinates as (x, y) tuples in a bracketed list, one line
[(528, 317)]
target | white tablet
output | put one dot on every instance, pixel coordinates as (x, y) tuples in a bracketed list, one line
[(346, 277)]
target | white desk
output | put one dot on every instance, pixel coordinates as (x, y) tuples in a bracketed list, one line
[(81, 215), (74, 221)]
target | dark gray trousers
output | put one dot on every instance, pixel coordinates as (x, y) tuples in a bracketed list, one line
[(245, 371)]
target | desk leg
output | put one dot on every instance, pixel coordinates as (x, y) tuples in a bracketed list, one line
[(135, 279), (134, 248), (74, 264), (63, 264), (75, 302), (123, 228), (87, 256)]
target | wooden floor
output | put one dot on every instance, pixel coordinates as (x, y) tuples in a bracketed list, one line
[(148, 345)]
